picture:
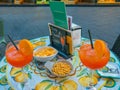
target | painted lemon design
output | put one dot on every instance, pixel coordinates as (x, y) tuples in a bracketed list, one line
[(110, 83), (21, 77), (70, 85), (112, 59), (84, 81), (3, 69), (52, 87), (14, 71), (3, 81), (60, 88), (18, 75), (10, 88), (57, 88), (104, 69), (42, 85), (48, 85)]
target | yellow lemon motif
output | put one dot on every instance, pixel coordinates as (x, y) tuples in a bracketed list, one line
[(84, 81), (66, 85), (42, 85), (70, 85), (52, 87), (18, 75), (3, 80), (21, 77), (14, 71), (60, 88)]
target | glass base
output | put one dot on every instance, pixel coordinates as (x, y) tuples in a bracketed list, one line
[(40, 65)]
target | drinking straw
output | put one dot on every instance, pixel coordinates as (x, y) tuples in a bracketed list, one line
[(90, 39), (13, 42)]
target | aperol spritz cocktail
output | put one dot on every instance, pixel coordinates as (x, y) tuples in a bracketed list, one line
[(21, 57), (96, 57), (18, 58)]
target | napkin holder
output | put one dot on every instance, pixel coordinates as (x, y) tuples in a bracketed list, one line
[(65, 40)]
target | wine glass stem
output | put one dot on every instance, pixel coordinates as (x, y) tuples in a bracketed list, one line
[(24, 76), (91, 81), (91, 85)]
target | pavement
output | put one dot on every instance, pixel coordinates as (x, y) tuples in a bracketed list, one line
[(32, 21)]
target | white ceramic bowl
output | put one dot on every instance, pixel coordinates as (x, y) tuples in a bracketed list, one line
[(44, 53)]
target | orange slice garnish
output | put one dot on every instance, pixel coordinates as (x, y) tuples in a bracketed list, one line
[(100, 47), (26, 47)]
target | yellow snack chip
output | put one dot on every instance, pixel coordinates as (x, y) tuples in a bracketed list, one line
[(46, 51), (61, 68)]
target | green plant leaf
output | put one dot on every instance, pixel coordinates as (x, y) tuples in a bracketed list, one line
[(112, 59), (47, 88), (110, 83), (3, 69), (47, 81), (29, 75), (82, 72), (3, 81), (60, 88), (22, 85), (10, 88), (63, 80), (26, 68)]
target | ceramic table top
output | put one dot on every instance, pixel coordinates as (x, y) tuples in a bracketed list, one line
[(108, 78)]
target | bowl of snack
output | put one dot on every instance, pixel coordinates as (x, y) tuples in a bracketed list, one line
[(60, 68), (44, 53)]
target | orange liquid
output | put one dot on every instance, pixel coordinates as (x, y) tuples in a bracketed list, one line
[(62, 41), (16, 58), (90, 59)]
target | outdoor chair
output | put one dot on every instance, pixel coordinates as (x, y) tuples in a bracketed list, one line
[(2, 38), (116, 46)]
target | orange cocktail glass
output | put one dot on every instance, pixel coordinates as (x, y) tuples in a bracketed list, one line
[(90, 59), (94, 58), (15, 57), (21, 57)]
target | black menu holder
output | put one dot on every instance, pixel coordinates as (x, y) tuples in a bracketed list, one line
[(61, 39)]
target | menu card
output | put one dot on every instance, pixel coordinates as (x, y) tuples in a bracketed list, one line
[(59, 14), (61, 39)]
